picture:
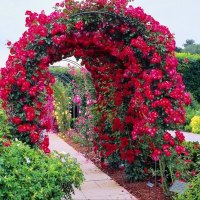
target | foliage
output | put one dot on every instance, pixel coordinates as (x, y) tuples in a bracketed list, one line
[(195, 124), (193, 49), (4, 126), (135, 171), (190, 113), (27, 173), (193, 158), (192, 193), (189, 42), (192, 110), (189, 48), (189, 67), (187, 56), (58, 69), (80, 140), (62, 105)]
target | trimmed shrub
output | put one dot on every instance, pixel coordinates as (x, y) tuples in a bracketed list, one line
[(189, 67), (27, 173), (190, 114), (195, 124)]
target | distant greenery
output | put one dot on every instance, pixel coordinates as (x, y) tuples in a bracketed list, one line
[(190, 56), (189, 67), (189, 47)]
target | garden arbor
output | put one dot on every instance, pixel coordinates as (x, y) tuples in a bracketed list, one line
[(131, 59)]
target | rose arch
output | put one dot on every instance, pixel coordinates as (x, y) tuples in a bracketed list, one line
[(131, 59)]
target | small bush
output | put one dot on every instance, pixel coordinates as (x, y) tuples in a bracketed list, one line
[(27, 173), (195, 124), (192, 193)]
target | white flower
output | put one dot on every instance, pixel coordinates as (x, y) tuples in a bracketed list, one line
[(28, 160)]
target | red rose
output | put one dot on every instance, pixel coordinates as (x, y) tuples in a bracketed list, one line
[(167, 136), (33, 91), (16, 120), (22, 128), (34, 137), (179, 149), (25, 86), (79, 25), (29, 112), (178, 174), (49, 90), (6, 143), (180, 136), (9, 43)]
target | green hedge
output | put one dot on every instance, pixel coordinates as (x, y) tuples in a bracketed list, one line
[(190, 72)]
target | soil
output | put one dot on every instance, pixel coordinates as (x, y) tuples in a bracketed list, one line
[(138, 189)]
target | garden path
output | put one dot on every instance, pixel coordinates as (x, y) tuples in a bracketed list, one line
[(190, 137), (97, 185)]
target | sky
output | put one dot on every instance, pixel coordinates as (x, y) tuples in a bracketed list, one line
[(180, 16)]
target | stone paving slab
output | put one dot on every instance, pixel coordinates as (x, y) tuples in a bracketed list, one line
[(97, 185)]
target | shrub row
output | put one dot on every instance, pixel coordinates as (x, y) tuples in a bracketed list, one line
[(189, 67)]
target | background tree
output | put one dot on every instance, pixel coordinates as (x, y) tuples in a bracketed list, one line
[(193, 49), (179, 49), (190, 47), (189, 42)]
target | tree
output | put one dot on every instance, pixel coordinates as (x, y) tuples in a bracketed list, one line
[(189, 42), (179, 49), (192, 48)]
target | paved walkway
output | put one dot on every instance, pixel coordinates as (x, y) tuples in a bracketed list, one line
[(97, 185), (191, 137)]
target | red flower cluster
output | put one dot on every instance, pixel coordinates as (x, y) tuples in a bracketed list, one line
[(29, 112), (134, 74)]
